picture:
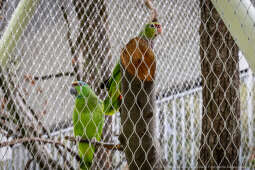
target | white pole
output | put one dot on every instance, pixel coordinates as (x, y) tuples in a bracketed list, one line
[(15, 28), (239, 17)]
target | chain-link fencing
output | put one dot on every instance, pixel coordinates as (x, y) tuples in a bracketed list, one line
[(202, 100)]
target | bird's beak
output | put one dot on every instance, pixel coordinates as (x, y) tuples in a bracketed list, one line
[(73, 91), (75, 83), (159, 30)]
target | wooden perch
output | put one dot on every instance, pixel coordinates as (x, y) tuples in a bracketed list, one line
[(138, 121), (95, 143)]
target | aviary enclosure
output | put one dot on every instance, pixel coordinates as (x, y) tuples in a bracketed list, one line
[(187, 101)]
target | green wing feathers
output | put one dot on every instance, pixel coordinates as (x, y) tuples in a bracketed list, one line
[(114, 77), (113, 100)]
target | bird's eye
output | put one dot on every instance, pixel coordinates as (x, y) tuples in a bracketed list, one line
[(157, 25), (152, 25)]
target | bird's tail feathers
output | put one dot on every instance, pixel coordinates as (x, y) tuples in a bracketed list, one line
[(86, 152), (108, 108)]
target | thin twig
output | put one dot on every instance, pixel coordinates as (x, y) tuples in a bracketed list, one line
[(18, 138), (96, 144), (28, 164), (17, 114), (47, 77), (148, 4), (44, 130), (37, 139), (9, 131), (68, 30), (32, 112), (72, 47), (4, 117), (154, 16)]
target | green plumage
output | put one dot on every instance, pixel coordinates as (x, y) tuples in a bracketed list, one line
[(113, 101), (150, 31), (88, 120)]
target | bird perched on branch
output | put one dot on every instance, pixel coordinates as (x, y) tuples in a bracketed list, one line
[(138, 59), (88, 120)]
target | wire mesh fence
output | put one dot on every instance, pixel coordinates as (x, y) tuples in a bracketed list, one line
[(54, 43)]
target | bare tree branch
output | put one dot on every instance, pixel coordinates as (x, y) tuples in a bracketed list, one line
[(17, 114), (96, 143), (42, 140), (47, 77), (61, 153), (44, 130)]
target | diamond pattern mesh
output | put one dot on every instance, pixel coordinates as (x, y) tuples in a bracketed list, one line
[(58, 42)]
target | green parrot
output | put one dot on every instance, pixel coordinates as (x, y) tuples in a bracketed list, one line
[(113, 100), (88, 120)]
